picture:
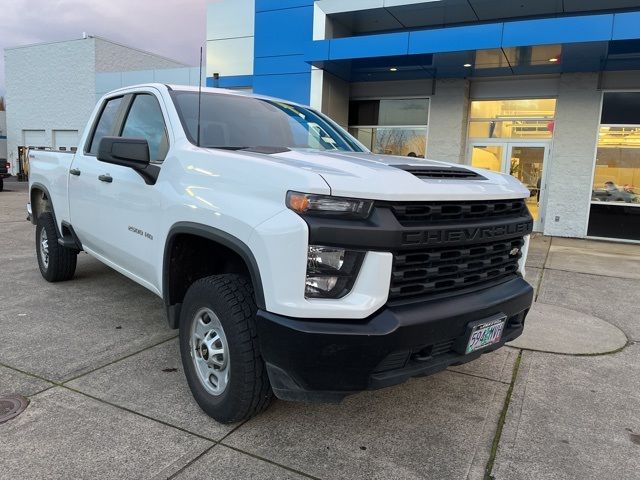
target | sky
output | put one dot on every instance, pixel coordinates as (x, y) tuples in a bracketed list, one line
[(172, 28)]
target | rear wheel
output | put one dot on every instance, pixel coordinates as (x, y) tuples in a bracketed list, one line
[(1, 184), (57, 263), (219, 348)]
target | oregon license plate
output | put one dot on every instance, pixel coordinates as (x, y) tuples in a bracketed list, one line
[(485, 333)]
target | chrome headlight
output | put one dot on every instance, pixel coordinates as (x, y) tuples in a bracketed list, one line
[(331, 271)]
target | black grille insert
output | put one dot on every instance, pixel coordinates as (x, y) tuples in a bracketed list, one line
[(430, 271), (412, 213)]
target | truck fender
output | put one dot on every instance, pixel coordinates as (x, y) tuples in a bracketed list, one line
[(224, 239)]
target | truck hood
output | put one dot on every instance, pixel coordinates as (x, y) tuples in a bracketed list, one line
[(377, 177)]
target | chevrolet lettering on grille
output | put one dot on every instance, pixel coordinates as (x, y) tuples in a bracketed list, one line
[(474, 234)]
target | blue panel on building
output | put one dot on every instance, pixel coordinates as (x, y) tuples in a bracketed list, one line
[(318, 50), (265, 5), (456, 39), (369, 46), (281, 64), (283, 32), (626, 26), (294, 87), (592, 28)]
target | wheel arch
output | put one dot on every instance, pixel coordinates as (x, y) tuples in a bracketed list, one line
[(219, 237), (40, 199)]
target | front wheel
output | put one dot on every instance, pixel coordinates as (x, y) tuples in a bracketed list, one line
[(57, 263), (219, 348)]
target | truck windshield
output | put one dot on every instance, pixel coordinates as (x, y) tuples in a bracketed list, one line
[(237, 122)]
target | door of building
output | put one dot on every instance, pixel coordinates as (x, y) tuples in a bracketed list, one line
[(526, 161)]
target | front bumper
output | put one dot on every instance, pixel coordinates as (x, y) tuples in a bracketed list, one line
[(325, 360)]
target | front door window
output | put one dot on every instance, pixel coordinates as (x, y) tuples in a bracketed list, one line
[(489, 157), (523, 161)]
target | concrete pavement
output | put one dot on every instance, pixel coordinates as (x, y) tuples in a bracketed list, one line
[(109, 400)]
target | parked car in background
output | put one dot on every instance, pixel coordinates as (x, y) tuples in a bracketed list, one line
[(4, 172)]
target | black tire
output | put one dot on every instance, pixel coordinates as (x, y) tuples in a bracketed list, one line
[(1, 184), (61, 262), (248, 391)]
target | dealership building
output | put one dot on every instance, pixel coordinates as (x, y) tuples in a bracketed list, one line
[(52, 89), (545, 90)]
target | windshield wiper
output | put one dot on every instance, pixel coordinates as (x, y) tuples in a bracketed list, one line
[(256, 149)]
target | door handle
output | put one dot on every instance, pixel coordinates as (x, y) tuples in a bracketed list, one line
[(75, 171), (105, 178)]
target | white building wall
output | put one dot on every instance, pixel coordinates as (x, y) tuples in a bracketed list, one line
[(230, 37), (448, 112), (573, 155), (49, 86), (113, 57), (54, 86), (107, 81)]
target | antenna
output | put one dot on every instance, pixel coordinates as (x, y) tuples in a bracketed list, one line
[(199, 98)]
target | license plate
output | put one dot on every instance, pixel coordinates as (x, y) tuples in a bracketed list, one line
[(485, 333)]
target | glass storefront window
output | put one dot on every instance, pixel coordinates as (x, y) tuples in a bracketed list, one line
[(389, 111), (537, 108), (391, 126), (617, 172), (408, 142), (488, 157), (615, 197), (521, 129)]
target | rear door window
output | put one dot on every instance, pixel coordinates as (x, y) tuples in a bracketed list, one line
[(105, 125)]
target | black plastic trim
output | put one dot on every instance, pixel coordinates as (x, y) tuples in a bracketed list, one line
[(222, 238), (323, 359), (34, 219), (71, 240), (382, 231)]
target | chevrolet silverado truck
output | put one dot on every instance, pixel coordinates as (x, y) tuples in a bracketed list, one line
[(294, 261)]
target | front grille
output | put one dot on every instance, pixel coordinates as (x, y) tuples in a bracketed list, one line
[(411, 213), (438, 270), (452, 246), (431, 271)]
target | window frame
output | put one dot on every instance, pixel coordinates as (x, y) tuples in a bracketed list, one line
[(595, 153), (397, 97), (121, 116), (87, 146), (128, 104)]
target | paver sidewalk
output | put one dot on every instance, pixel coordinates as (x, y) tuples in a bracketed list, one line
[(109, 400)]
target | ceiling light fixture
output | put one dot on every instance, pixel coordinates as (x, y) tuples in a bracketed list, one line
[(393, 69), (467, 65), (553, 59)]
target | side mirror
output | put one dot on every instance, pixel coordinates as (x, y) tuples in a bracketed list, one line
[(128, 152)]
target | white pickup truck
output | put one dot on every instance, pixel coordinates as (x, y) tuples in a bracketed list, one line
[(294, 261)]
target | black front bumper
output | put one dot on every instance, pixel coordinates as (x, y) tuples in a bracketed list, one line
[(321, 360)]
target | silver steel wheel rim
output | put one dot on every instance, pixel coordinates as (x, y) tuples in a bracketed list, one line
[(44, 248), (209, 351)]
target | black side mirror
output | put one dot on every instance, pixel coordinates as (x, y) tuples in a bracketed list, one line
[(129, 152)]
